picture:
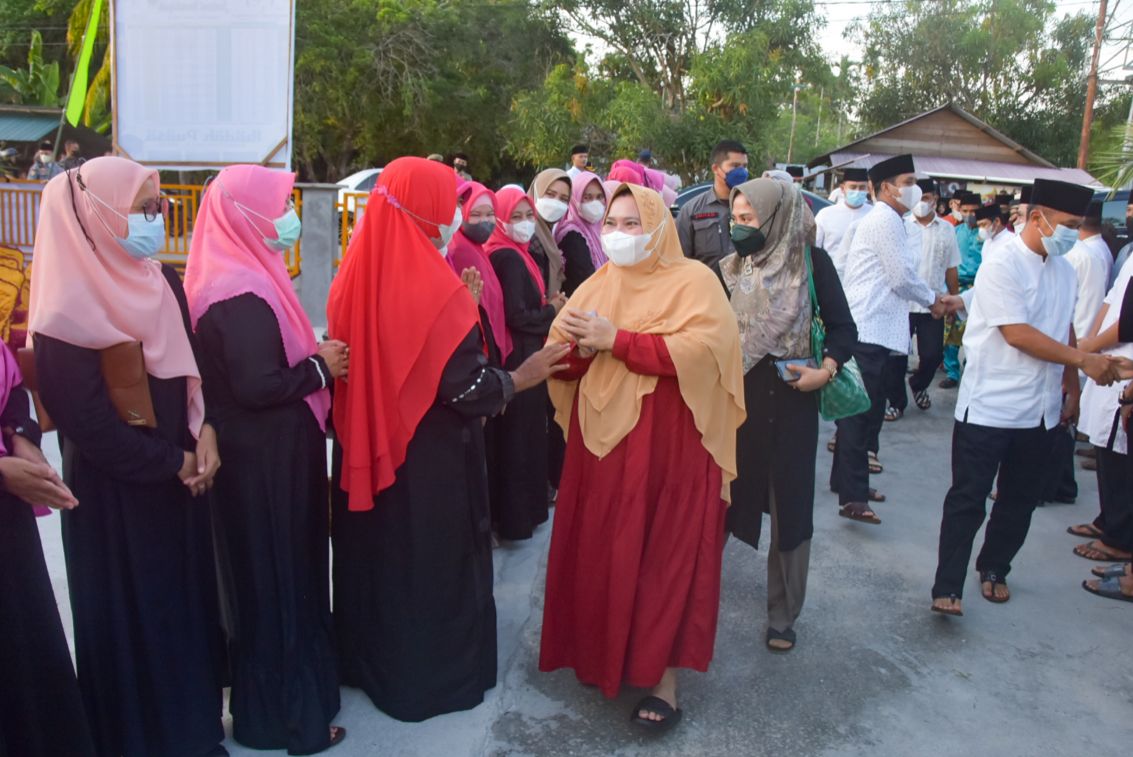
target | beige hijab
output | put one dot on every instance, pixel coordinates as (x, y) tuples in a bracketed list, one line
[(770, 291), (543, 232), (680, 299)]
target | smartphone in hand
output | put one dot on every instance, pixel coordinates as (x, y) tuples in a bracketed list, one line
[(787, 374)]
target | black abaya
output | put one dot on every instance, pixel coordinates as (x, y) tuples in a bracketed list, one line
[(270, 511), (523, 438), (139, 562), (41, 711), (413, 605)]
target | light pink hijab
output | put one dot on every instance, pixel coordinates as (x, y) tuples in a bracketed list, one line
[(573, 221), (97, 298), (228, 257)]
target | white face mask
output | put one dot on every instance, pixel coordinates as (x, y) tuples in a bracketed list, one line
[(550, 209), (625, 249), (909, 196), (592, 211), (984, 233), (447, 231), (521, 231), (922, 209), (1061, 239)]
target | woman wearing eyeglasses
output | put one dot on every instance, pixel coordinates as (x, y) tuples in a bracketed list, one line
[(138, 546), (266, 381)]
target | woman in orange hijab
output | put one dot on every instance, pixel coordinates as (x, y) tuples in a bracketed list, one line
[(651, 403), (139, 547), (413, 603)]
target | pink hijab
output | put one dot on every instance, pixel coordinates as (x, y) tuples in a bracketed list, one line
[(506, 201), (573, 221), (102, 297), (629, 172), (464, 253), (228, 258)]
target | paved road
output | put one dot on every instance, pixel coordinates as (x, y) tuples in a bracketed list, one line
[(874, 673)]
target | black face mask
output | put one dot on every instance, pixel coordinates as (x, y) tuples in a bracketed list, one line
[(747, 240), (478, 232)]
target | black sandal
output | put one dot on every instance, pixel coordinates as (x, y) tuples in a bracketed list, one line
[(857, 511), (658, 706), (337, 734), (787, 636), (924, 402), (993, 578), (953, 611)]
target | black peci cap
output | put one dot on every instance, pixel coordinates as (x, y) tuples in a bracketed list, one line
[(1025, 194), (895, 166), (928, 186), (796, 171), (855, 174), (579, 149), (989, 213), (1061, 195)]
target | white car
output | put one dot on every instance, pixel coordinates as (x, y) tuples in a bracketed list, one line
[(361, 181)]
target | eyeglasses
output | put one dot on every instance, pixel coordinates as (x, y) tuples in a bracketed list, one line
[(155, 207)]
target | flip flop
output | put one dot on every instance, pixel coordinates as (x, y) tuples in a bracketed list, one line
[(830, 445), (1110, 571), (1085, 531), (1091, 552), (857, 511), (876, 496), (875, 464), (670, 717), (893, 414), (338, 733), (1110, 588), (787, 636), (924, 402), (993, 578), (953, 611)]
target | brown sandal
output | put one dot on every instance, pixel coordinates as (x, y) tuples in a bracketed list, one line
[(1085, 531), (876, 496), (859, 511), (875, 464)]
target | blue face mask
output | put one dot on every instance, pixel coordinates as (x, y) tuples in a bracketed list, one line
[(143, 239), (855, 198), (736, 176), (288, 227), (1060, 240)]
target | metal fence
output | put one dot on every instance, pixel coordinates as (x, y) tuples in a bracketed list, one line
[(19, 214), (350, 207)]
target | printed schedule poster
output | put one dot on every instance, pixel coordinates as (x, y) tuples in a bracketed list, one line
[(205, 83)]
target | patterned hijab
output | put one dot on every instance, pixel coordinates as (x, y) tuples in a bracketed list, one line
[(770, 293)]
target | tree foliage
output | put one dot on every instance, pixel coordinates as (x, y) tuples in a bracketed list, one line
[(1008, 62), (35, 84)]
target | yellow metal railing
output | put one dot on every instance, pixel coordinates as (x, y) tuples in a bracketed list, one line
[(350, 206), (19, 211)]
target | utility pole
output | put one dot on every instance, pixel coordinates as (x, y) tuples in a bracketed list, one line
[(1091, 89), (794, 118), (818, 127)]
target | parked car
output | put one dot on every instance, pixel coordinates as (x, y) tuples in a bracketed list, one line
[(360, 181), (816, 202), (1113, 217)]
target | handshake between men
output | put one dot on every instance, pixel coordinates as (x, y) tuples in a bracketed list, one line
[(946, 304)]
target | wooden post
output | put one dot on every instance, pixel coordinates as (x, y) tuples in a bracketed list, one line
[(1091, 89)]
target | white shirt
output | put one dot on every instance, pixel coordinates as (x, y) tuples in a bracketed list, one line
[(573, 171), (997, 243), (881, 280), (935, 250), (1004, 387), (832, 223), (1099, 403), (1092, 262)]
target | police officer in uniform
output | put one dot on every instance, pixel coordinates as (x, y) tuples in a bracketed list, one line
[(704, 223)]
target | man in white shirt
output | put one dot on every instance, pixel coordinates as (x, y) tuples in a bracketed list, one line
[(1093, 263), (579, 154), (932, 243), (880, 281), (991, 225), (833, 220), (1021, 358)]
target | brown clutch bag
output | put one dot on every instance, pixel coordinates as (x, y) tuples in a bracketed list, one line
[(123, 371)]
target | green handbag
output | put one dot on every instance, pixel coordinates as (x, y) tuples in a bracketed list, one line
[(845, 395)]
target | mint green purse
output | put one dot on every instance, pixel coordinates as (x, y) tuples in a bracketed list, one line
[(845, 395)]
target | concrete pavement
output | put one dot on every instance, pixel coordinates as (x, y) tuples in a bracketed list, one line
[(874, 672)]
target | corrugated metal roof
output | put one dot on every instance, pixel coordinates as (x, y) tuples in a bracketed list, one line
[(986, 171), (26, 127)]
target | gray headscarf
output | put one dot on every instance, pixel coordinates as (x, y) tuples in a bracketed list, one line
[(770, 293)]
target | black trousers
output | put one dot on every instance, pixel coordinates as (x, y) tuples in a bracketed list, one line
[(1058, 482), (1115, 492), (978, 453), (849, 474), (929, 333)]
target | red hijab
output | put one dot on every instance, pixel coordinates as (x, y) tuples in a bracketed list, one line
[(464, 253), (397, 304), (506, 201)]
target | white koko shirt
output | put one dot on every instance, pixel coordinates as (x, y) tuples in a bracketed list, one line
[(831, 224), (935, 250), (881, 280), (1002, 386)]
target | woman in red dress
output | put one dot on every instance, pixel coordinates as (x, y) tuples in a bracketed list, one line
[(651, 403)]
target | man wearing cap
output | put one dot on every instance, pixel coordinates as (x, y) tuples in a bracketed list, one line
[(1021, 358), (833, 220), (1018, 215), (704, 223), (1093, 263), (645, 158), (1124, 253), (579, 155), (932, 243), (991, 225), (880, 281)]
